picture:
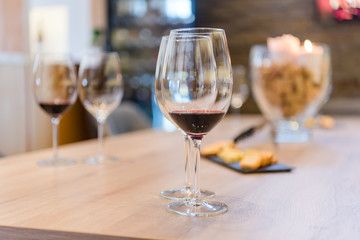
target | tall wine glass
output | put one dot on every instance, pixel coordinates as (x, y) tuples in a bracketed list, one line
[(220, 50), (196, 100), (186, 191), (100, 89), (55, 90)]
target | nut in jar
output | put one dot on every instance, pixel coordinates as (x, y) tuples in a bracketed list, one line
[(290, 82)]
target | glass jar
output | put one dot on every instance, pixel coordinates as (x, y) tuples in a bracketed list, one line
[(290, 90)]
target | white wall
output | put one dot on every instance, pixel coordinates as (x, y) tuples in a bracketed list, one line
[(23, 125), (12, 104), (68, 28)]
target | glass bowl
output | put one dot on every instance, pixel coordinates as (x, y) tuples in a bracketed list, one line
[(290, 90)]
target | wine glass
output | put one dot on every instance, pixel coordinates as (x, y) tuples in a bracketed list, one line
[(55, 90), (196, 98), (240, 91), (100, 89), (186, 191), (220, 49)]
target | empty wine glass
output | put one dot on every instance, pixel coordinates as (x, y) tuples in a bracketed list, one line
[(240, 91), (186, 191), (100, 89), (55, 91), (196, 97)]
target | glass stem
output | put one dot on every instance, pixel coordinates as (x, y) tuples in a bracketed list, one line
[(55, 124), (197, 143), (100, 139), (187, 162)]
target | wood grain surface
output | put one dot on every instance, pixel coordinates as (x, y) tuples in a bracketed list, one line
[(319, 199)]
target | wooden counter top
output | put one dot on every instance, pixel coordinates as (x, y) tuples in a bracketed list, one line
[(319, 199)]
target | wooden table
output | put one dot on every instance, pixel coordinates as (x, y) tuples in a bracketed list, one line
[(319, 199)]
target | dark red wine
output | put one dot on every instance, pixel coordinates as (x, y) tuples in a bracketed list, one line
[(54, 109), (197, 123)]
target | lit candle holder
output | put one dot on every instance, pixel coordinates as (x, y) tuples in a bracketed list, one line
[(311, 56), (290, 82)]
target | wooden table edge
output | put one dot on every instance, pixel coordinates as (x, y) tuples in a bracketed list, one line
[(19, 233)]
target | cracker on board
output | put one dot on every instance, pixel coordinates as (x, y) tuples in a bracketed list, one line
[(254, 159), (215, 148), (231, 154), (250, 159)]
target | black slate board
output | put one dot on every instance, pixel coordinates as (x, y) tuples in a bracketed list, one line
[(278, 167)]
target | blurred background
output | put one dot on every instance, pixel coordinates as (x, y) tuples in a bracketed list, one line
[(134, 29)]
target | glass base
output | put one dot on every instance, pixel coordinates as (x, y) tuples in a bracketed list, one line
[(197, 208), (287, 131), (99, 159), (185, 193), (57, 162)]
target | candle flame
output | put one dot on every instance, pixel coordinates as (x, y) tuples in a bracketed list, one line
[(308, 46)]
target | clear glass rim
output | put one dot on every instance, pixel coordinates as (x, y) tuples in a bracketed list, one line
[(42, 57), (181, 30), (99, 54)]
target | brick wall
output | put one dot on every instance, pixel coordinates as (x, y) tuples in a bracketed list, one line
[(249, 22)]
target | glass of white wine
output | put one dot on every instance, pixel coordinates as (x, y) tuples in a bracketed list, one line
[(100, 87)]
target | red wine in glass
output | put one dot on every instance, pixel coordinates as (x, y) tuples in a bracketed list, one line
[(54, 82), (196, 97), (197, 123), (54, 109)]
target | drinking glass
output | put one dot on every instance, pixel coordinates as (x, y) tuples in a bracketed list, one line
[(240, 91), (290, 88), (196, 99), (220, 50), (186, 191), (100, 89), (55, 90)]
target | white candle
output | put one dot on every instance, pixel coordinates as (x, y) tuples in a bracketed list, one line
[(311, 56), (284, 49)]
